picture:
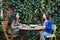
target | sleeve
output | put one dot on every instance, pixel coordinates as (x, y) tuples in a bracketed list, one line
[(18, 24), (48, 25), (13, 25)]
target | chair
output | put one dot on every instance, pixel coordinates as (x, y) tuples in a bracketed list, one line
[(4, 28), (54, 33)]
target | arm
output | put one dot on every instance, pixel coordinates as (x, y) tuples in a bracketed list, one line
[(48, 25), (41, 27), (18, 24), (13, 25)]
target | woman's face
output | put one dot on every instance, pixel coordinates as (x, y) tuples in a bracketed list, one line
[(17, 16), (44, 16)]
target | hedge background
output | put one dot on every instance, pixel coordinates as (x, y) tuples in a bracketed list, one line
[(31, 10)]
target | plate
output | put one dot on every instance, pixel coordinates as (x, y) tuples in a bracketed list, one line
[(33, 26)]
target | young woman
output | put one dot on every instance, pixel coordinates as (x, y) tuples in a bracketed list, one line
[(13, 24), (47, 26)]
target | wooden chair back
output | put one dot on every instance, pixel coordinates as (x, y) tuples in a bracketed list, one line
[(4, 28)]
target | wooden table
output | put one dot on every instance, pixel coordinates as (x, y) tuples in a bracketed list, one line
[(28, 28)]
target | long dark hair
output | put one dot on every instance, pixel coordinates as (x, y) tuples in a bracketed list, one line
[(47, 17), (12, 18)]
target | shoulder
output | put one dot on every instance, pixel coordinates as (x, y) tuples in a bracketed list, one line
[(49, 20)]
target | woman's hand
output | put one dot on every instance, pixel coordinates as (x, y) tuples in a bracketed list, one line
[(19, 26), (41, 27)]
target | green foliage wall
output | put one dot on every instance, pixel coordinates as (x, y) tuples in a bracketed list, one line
[(30, 9)]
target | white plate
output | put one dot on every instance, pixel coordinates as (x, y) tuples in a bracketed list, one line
[(33, 25)]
